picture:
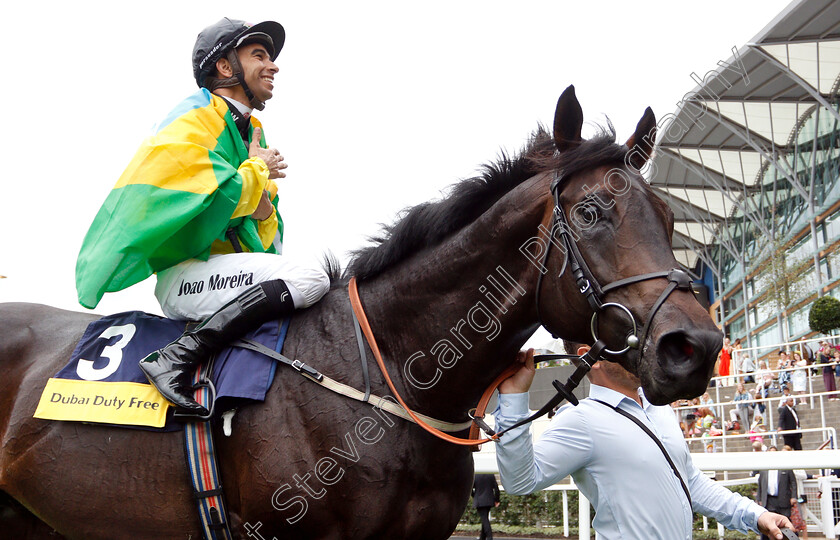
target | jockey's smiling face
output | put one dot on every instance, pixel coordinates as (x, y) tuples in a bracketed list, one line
[(258, 69)]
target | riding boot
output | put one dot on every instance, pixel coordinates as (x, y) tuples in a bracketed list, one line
[(170, 369)]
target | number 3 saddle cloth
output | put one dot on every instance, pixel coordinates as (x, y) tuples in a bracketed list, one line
[(102, 383)]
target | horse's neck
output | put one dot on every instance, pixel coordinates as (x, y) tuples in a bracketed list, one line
[(450, 319)]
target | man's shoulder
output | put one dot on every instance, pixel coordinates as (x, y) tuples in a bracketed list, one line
[(569, 413), (199, 102), (200, 98)]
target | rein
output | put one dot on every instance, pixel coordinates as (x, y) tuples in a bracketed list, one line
[(356, 302), (564, 392), (587, 285)]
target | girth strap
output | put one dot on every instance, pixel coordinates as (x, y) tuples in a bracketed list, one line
[(202, 464)]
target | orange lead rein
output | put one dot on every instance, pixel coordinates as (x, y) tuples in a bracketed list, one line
[(353, 291)]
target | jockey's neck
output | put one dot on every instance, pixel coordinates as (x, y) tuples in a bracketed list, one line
[(236, 95)]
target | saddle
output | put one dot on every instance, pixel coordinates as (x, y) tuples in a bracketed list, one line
[(102, 382)]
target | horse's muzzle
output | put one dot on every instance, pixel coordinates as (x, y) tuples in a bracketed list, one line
[(686, 361)]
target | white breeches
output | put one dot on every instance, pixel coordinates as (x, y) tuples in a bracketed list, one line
[(194, 289)]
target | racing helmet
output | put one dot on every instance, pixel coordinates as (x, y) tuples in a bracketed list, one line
[(221, 40)]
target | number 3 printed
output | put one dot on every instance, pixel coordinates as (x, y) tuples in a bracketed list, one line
[(113, 353)]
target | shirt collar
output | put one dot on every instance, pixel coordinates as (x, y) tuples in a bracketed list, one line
[(612, 397), (241, 107)]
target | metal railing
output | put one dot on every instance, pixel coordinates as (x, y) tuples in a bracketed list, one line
[(831, 435), (720, 407), (820, 512), (789, 346), (768, 417)]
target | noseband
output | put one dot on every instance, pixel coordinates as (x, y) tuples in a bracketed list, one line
[(593, 291)]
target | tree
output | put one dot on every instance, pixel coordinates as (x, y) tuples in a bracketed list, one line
[(783, 281), (824, 315)]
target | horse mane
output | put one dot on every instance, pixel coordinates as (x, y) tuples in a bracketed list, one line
[(428, 224)]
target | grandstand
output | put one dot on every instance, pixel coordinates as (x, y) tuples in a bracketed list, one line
[(750, 165)]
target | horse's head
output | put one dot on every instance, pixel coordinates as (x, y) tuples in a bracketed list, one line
[(613, 257)]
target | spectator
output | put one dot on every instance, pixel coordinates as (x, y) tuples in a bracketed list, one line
[(688, 414), (799, 378), (725, 362), (789, 421), (823, 352), (485, 494), (805, 351), (758, 446), (784, 364), (748, 368), (709, 443), (797, 510), (776, 491), (837, 366), (737, 357), (742, 408), (757, 429), (763, 378), (759, 404), (828, 371), (785, 394), (707, 402)]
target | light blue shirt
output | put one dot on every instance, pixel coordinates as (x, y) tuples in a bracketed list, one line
[(617, 467)]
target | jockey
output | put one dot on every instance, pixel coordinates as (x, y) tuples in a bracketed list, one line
[(198, 206)]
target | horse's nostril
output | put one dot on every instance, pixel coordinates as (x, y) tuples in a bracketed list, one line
[(681, 353), (685, 360), (675, 348)]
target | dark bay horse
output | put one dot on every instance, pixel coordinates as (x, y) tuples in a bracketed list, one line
[(451, 294)]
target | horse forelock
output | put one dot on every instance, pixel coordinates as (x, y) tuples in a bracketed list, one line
[(428, 224)]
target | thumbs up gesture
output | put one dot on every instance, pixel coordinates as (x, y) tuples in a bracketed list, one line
[(271, 157)]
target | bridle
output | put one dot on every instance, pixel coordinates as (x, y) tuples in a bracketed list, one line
[(589, 286)]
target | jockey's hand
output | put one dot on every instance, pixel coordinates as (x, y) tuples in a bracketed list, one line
[(265, 209), (271, 157), (520, 381), (770, 524)]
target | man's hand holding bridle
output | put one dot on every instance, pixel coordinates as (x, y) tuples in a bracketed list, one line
[(520, 381)]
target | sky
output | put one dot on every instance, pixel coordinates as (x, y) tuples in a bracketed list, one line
[(378, 105)]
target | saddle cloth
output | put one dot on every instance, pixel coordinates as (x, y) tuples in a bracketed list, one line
[(102, 383)]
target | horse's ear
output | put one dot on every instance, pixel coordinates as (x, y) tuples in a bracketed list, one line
[(640, 144), (568, 120)]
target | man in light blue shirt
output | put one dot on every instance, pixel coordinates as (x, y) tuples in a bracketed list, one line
[(619, 468)]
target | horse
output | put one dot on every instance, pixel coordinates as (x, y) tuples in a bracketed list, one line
[(452, 290)]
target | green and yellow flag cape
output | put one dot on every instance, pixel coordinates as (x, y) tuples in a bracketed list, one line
[(185, 187)]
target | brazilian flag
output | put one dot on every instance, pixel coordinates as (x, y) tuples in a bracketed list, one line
[(185, 187)]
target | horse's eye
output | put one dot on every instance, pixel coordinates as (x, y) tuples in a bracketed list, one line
[(587, 214)]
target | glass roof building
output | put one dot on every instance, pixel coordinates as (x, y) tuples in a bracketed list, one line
[(750, 163)]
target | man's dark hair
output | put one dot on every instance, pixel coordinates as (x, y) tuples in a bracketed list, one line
[(572, 347)]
